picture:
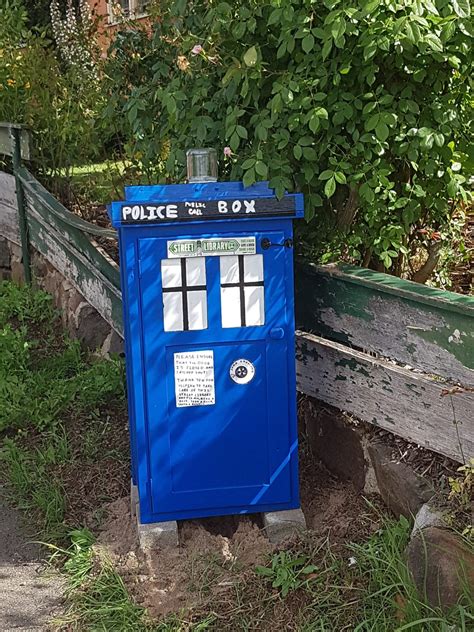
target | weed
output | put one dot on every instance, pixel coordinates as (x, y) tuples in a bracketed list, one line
[(24, 304), (288, 573), (462, 488), (35, 490)]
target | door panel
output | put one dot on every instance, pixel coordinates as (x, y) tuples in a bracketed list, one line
[(218, 431)]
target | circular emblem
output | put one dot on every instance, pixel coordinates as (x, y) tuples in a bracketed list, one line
[(242, 371)]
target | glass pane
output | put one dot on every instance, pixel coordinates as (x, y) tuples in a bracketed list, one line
[(173, 311), (196, 271), (230, 304), (254, 306), (171, 272), (197, 310), (229, 269), (253, 268)]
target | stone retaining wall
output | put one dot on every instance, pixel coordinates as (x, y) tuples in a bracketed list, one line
[(80, 319)]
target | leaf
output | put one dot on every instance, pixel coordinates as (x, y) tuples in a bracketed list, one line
[(330, 187), (248, 164), (325, 175), (371, 5), (381, 131), (251, 56), (439, 139), (368, 107), (372, 122), (249, 178), (434, 42), (241, 131), (461, 8), (297, 151), (308, 43), (412, 31), (314, 123), (309, 153), (340, 177), (262, 169), (321, 113), (326, 49)]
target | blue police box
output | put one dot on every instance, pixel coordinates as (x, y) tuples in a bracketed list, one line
[(207, 282)]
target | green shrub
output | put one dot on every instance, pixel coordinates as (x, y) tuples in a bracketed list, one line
[(59, 102), (362, 106)]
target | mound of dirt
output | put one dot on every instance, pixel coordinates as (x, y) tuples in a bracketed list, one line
[(211, 555)]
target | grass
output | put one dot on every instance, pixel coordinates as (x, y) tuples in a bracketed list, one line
[(362, 587), (58, 410), (47, 386)]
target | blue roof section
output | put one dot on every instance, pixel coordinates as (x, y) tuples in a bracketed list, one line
[(201, 191), (209, 191)]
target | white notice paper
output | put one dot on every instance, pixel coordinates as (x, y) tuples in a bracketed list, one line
[(194, 378)]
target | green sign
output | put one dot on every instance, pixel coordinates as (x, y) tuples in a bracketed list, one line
[(211, 247)]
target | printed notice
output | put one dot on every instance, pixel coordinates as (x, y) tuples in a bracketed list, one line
[(194, 378)]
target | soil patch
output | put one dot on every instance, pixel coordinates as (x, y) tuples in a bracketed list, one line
[(217, 557)]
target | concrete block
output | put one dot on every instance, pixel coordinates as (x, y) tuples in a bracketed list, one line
[(280, 525), (158, 535), (133, 499)]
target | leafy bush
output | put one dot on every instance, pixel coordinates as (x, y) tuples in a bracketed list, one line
[(60, 102), (362, 106)]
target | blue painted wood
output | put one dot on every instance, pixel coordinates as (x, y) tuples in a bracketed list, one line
[(238, 455)]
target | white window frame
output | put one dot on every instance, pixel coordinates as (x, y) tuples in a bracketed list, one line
[(133, 13)]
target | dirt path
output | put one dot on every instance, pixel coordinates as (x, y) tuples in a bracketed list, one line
[(27, 597)]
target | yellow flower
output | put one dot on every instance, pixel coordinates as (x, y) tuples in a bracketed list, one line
[(11, 82), (27, 85)]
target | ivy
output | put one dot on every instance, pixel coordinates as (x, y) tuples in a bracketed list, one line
[(365, 107)]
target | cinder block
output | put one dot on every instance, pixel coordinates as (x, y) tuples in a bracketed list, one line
[(134, 499), (158, 535), (280, 525)]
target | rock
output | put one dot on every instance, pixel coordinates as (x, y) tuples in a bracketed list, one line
[(442, 566), (280, 525), (113, 344), (427, 517), (402, 490), (91, 327), (4, 253), (336, 444)]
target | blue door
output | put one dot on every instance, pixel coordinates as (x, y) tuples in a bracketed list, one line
[(216, 329)]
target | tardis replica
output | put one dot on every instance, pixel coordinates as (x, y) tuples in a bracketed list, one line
[(207, 280)]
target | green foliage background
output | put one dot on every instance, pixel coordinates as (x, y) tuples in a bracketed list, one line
[(364, 106)]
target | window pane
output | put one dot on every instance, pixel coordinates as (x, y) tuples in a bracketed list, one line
[(171, 272), (173, 311), (230, 305), (229, 269), (196, 271), (253, 268), (141, 6), (254, 306), (197, 310)]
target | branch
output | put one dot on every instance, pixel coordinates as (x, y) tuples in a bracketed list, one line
[(423, 274)]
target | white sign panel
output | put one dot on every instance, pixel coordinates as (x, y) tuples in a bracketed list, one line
[(211, 247), (194, 378)]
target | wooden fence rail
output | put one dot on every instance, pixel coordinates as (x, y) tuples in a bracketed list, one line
[(393, 353)]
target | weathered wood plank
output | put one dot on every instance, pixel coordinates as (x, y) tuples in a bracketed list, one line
[(9, 226), (411, 405), (97, 290), (6, 140), (422, 327)]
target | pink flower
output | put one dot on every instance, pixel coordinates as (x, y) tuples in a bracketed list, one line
[(227, 152), (197, 50)]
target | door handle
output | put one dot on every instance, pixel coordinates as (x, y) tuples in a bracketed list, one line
[(277, 333)]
